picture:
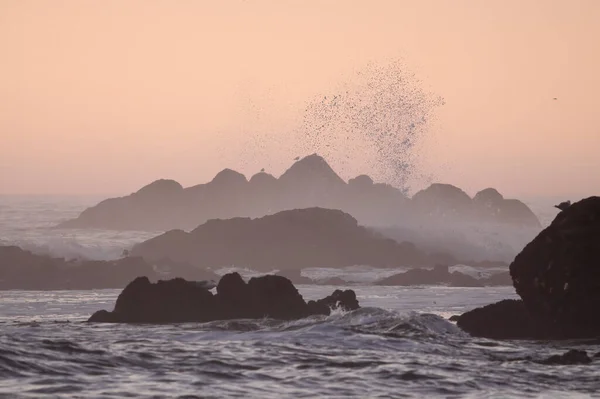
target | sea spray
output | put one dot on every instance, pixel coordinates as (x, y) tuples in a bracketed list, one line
[(377, 118)]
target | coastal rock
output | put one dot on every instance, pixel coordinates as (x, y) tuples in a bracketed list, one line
[(178, 301), (507, 319), (440, 275), (558, 274), (294, 239), (570, 357), (443, 200), (309, 182)]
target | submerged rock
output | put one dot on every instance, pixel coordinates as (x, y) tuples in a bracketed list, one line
[(178, 301), (570, 357)]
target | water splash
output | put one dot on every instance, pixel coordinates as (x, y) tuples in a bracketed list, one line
[(379, 116)]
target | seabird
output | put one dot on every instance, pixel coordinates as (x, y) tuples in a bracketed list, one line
[(296, 159), (563, 205), (555, 98), (262, 170)]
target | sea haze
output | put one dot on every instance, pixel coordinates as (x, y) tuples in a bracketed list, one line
[(400, 344)]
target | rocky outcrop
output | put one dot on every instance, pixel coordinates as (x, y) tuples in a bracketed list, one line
[(507, 319), (441, 275), (295, 239), (23, 270), (310, 182), (179, 301), (557, 275), (491, 205)]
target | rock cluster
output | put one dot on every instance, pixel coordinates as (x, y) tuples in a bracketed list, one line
[(441, 275), (178, 301), (310, 182)]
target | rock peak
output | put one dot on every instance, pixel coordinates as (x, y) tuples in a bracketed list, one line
[(312, 167)]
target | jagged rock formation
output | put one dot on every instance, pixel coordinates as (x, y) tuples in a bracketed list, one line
[(295, 239), (310, 182), (557, 275), (22, 270), (178, 301)]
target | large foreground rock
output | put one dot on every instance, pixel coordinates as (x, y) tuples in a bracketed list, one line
[(557, 276), (295, 239), (178, 301)]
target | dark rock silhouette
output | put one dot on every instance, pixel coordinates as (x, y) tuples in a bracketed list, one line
[(440, 275), (571, 357), (557, 275), (295, 239), (309, 182), (178, 301), (507, 319), (22, 270)]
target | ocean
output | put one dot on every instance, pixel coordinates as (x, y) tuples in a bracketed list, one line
[(400, 344)]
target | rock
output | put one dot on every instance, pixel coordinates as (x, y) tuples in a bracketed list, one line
[(558, 274), (490, 197), (344, 300), (454, 317), (439, 275), (507, 319), (443, 201), (178, 301), (310, 182), (295, 239), (570, 357), (23, 270), (418, 276)]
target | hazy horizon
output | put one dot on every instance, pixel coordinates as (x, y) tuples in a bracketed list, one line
[(105, 97)]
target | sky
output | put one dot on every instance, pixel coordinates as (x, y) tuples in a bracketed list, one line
[(103, 97)]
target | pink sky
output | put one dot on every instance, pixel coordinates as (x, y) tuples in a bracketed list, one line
[(106, 96)]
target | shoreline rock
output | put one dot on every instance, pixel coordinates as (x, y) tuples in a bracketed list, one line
[(557, 276), (179, 301)]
